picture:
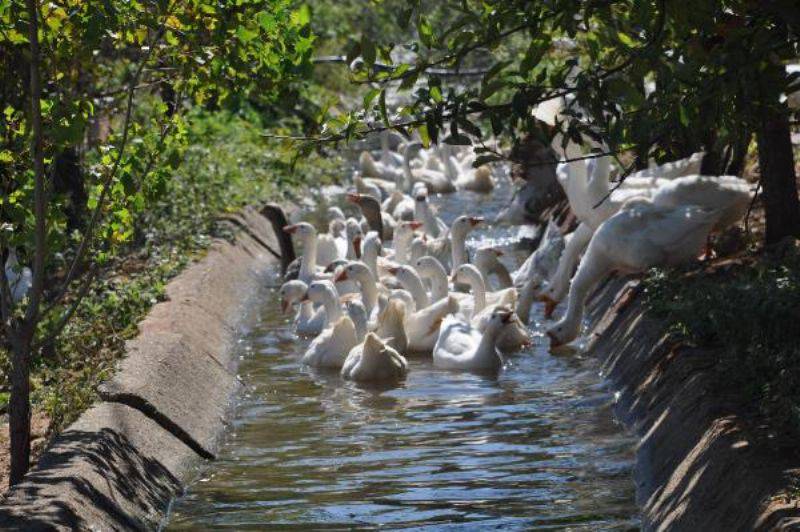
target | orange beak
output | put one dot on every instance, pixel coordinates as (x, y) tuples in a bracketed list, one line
[(392, 270), (507, 317), (341, 276), (499, 252), (291, 229), (475, 220), (415, 224), (284, 306), (357, 246), (353, 198)]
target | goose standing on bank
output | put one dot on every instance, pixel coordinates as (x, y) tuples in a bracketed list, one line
[(640, 236)]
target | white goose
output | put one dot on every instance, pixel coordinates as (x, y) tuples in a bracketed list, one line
[(309, 271), (422, 326), (432, 224), (727, 194), (458, 236), (436, 181), (640, 236), (476, 179), (329, 349), (359, 272), (373, 361), (512, 338), (391, 324), (486, 260), (19, 279), (308, 321), (461, 346), (543, 262), (399, 205), (354, 235), (332, 246)]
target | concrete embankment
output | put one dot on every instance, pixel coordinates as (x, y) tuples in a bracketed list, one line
[(121, 463), (702, 462)]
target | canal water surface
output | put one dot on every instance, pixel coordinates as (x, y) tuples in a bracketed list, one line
[(533, 447)]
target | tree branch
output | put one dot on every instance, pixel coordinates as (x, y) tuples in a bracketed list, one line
[(37, 153), (89, 232)]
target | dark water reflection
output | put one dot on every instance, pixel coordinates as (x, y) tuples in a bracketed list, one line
[(534, 447)]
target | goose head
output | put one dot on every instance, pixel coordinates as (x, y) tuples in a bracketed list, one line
[(337, 227), (354, 236), (563, 332), (420, 192), (486, 258), (501, 316), (358, 313), (370, 208), (372, 245), (335, 213), (354, 271), (464, 224), (321, 291), (405, 231), (403, 295), (428, 266), (292, 292), (469, 274), (302, 229)]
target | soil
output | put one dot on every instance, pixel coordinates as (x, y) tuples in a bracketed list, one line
[(39, 425)]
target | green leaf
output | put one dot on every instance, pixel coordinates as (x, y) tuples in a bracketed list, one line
[(245, 34), (369, 97), (302, 16), (267, 21), (424, 136), (486, 159), (626, 40)]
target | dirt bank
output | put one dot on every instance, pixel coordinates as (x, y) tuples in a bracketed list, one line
[(703, 463), (121, 463)]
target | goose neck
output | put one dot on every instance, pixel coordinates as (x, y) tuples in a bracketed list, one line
[(309, 262), (439, 285), (458, 249), (413, 284), (478, 287), (369, 290)]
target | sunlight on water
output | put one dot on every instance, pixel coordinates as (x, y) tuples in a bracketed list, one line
[(533, 447)]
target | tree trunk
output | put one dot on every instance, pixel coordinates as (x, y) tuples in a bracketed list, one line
[(19, 410), (778, 179)]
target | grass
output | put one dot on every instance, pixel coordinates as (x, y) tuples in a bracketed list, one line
[(749, 313)]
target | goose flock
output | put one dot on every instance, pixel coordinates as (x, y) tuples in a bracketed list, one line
[(396, 281)]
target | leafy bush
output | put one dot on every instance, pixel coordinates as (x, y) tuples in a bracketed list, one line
[(224, 164), (751, 313)]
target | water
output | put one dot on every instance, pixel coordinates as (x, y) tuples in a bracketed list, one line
[(535, 447)]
